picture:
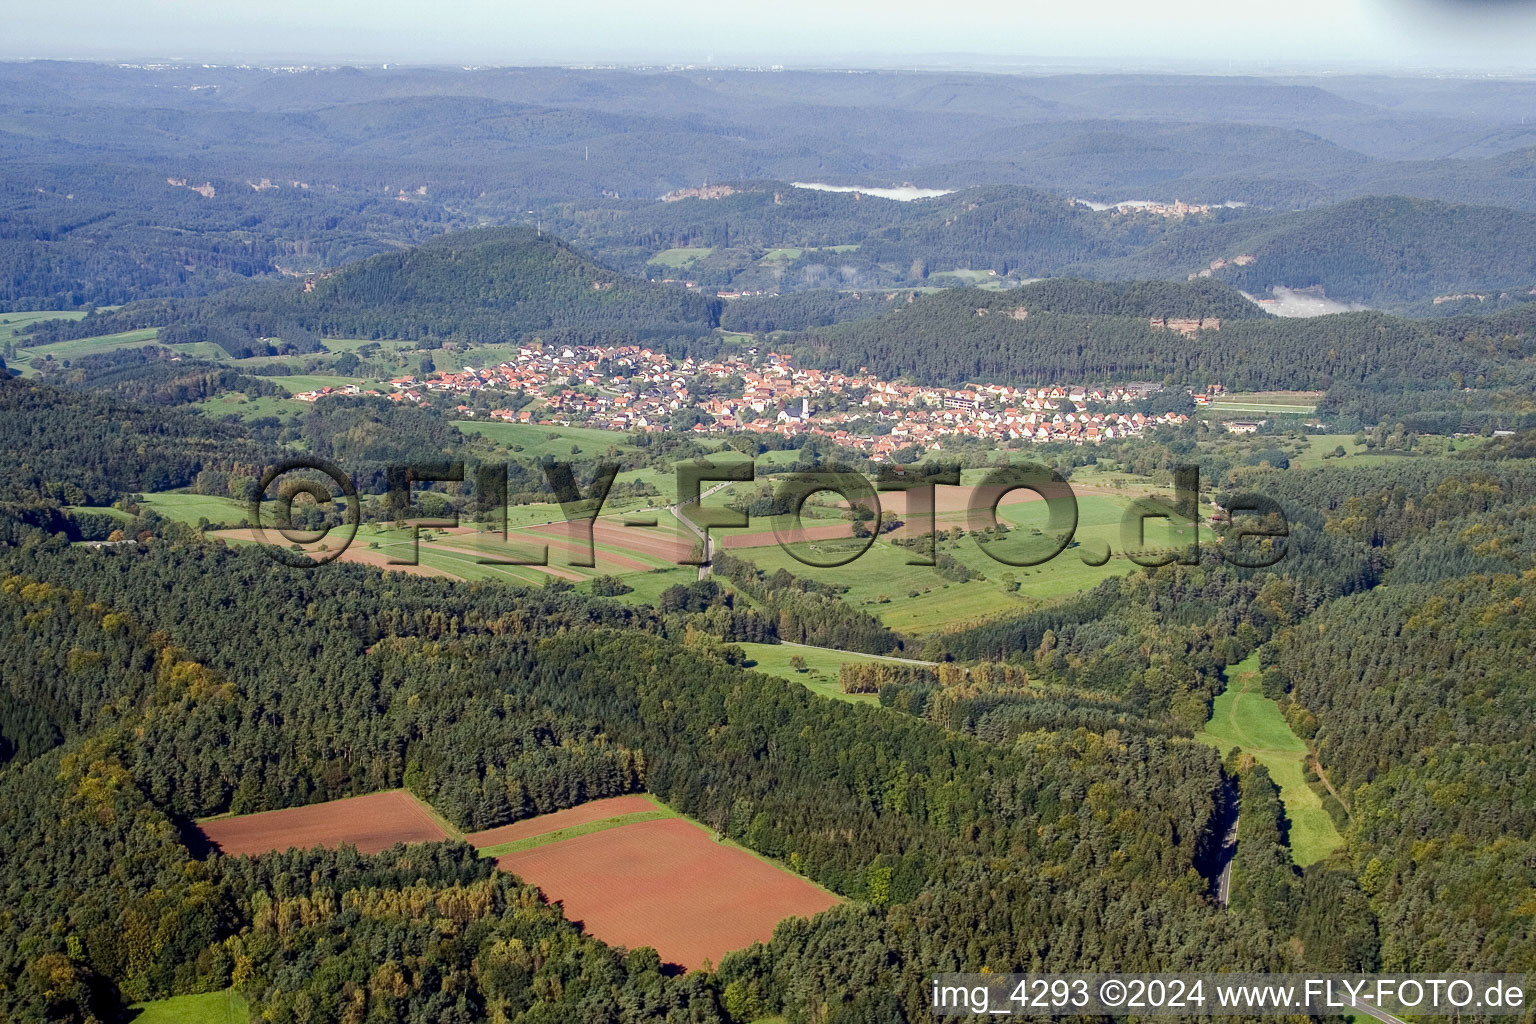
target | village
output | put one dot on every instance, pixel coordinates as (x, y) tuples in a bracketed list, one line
[(631, 388)]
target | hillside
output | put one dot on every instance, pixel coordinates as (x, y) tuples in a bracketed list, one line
[(490, 284), (967, 334), (1381, 250)]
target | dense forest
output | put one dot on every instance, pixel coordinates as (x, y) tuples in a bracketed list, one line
[(1006, 338)]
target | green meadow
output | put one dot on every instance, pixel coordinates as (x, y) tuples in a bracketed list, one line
[(191, 508), (1243, 717), (916, 599), (821, 668), (682, 256), (532, 440), (227, 1007)]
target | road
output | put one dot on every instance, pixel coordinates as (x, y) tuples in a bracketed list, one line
[(698, 531), (1381, 1015), (1224, 886), (1228, 848)]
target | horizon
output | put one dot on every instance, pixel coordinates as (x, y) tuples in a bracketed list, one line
[(1408, 37)]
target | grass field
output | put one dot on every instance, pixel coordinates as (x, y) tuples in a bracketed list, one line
[(1243, 717), (227, 1007), (822, 668), (12, 324), (190, 508), (916, 599), (535, 440), (237, 404), (28, 360), (296, 382), (682, 256)]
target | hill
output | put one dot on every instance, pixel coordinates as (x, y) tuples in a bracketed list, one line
[(1381, 250), (483, 285), (1075, 331)]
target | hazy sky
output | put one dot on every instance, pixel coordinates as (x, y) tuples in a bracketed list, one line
[(1203, 33)]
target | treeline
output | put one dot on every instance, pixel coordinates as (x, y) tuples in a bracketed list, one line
[(155, 375), (486, 285), (805, 612), (800, 311), (1420, 701), (85, 448), (988, 337), (483, 286)]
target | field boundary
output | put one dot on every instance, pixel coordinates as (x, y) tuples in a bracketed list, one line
[(572, 831)]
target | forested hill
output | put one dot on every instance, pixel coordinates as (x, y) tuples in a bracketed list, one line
[(962, 335), (1201, 297), (1381, 250), (484, 285), (493, 281)]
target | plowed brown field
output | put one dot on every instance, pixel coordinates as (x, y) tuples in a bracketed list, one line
[(668, 885), (371, 823), (596, 810)]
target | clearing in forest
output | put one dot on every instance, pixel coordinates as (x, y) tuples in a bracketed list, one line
[(1243, 717), (634, 877)]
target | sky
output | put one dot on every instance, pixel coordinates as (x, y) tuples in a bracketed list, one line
[(1201, 34)]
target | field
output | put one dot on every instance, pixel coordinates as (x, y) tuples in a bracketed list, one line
[(1243, 717), (12, 324), (583, 819), (296, 382), (532, 440), (28, 360), (227, 1007), (822, 668), (682, 256), (371, 823), (666, 883), (1302, 403), (645, 558), (190, 508), (915, 598)]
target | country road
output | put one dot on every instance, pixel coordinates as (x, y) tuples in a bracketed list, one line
[(698, 531), (1381, 1015)]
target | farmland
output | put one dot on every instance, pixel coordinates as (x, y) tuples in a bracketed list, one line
[(371, 823), (1302, 403), (666, 883), (644, 558), (592, 816), (917, 598), (629, 869), (532, 440)]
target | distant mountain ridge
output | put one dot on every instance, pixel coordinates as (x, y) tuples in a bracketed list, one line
[(1382, 250)]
